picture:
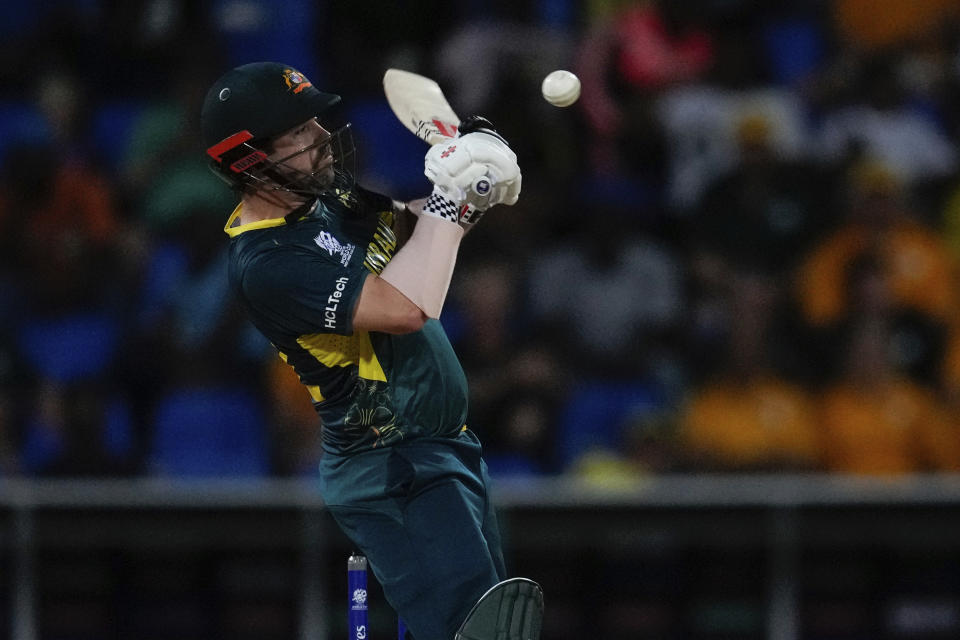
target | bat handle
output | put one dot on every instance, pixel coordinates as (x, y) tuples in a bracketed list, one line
[(472, 124)]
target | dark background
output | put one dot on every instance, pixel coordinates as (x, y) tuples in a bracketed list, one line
[(736, 254)]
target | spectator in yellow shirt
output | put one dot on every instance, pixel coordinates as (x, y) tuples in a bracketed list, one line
[(914, 262), (749, 417), (875, 419)]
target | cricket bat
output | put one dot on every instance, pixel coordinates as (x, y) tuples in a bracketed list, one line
[(419, 103)]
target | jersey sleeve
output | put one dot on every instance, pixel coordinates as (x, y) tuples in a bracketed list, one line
[(303, 294)]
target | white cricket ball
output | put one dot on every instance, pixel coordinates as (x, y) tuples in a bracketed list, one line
[(561, 88)]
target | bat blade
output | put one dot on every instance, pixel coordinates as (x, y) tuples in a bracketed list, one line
[(419, 104)]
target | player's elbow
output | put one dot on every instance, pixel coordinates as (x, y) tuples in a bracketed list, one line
[(400, 316), (409, 319), (382, 308)]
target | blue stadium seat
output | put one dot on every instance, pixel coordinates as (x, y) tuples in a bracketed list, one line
[(209, 432), (112, 125), (511, 465), (118, 428), (281, 30), (42, 446), (70, 348), (794, 48), (21, 122), (596, 414), (166, 269), (19, 18)]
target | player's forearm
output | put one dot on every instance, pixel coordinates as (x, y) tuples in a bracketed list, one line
[(471, 173), (423, 268)]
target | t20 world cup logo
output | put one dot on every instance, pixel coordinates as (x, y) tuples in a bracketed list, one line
[(359, 598)]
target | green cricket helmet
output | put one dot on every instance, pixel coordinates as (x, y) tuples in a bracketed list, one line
[(252, 104)]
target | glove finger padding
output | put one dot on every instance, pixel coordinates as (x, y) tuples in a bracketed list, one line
[(493, 152), (450, 168), (501, 166), (507, 192), (477, 169)]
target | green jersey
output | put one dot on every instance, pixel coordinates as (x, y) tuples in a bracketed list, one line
[(299, 279)]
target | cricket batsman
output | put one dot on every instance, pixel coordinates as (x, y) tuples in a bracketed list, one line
[(348, 284)]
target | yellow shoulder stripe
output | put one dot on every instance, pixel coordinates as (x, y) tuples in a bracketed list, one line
[(232, 229)]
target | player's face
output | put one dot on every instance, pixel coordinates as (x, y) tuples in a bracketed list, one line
[(305, 150)]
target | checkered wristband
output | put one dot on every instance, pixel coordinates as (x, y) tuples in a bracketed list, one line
[(440, 206)]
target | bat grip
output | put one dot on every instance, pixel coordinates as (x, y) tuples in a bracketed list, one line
[(475, 124)]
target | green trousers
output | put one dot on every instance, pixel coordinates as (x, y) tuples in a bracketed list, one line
[(419, 511)]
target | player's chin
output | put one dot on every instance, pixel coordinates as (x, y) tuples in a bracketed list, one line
[(325, 176)]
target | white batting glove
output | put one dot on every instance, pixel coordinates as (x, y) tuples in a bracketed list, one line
[(473, 172), (495, 154)]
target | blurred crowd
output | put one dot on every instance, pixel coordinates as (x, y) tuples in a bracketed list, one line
[(739, 251)]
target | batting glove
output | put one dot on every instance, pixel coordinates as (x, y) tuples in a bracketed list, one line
[(472, 173)]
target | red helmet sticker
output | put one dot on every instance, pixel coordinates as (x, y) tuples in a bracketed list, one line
[(247, 161)]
